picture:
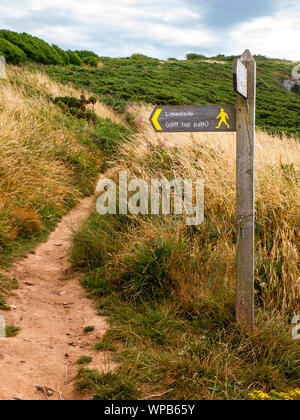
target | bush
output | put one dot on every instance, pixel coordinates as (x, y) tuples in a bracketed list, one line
[(35, 49), (92, 61), (78, 107), (142, 57), (194, 56), (74, 58), (88, 57), (62, 53), (12, 53)]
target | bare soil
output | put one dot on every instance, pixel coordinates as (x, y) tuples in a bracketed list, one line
[(51, 309)]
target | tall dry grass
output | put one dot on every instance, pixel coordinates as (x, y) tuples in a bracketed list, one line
[(44, 155), (40, 80), (212, 157)]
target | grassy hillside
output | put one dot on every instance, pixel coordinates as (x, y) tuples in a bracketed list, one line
[(51, 157), (120, 82), (170, 289)]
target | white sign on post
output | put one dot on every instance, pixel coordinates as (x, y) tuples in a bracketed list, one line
[(240, 77), (2, 68)]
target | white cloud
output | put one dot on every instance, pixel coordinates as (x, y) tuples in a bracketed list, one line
[(155, 27), (277, 36), (58, 33)]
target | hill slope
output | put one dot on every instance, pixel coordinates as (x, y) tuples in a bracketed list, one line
[(49, 158), (168, 288), (198, 80), (120, 82)]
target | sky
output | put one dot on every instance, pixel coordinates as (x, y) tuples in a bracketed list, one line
[(161, 28)]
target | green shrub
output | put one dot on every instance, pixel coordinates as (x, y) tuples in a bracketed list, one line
[(92, 61), (78, 107), (143, 58), (35, 49), (88, 57), (194, 56), (63, 54), (110, 135), (74, 58), (12, 53)]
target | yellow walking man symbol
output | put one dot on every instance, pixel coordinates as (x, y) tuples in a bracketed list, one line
[(224, 117)]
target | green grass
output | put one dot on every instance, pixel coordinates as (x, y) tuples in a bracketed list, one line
[(88, 329), (11, 331), (84, 360), (168, 345), (106, 386), (105, 345), (6, 287), (141, 79)]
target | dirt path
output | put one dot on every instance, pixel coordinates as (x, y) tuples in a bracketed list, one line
[(51, 310)]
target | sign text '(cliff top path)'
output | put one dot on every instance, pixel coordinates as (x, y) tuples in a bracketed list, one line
[(182, 119)]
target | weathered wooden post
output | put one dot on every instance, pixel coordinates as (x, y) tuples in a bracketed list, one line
[(222, 118), (245, 75)]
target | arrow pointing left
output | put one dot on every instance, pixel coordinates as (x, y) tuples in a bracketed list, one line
[(154, 119)]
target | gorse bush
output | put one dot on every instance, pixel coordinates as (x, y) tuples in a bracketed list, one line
[(65, 57), (20, 48), (108, 135), (88, 57), (35, 49), (193, 56), (74, 58), (78, 107), (11, 52)]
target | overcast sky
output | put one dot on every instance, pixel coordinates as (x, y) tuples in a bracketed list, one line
[(161, 28)]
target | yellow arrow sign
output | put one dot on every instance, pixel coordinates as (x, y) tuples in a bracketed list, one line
[(155, 119)]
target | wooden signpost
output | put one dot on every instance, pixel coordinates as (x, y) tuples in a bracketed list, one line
[(222, 118), (245, 186), (2, 68), (206, 118)]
